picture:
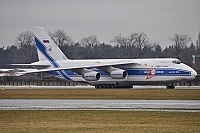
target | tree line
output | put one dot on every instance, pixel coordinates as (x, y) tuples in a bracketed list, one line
[(135, 45)]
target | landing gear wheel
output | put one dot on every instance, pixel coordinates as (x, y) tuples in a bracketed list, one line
[(170, 87), (97, 86), (104, 86), (112, 86)]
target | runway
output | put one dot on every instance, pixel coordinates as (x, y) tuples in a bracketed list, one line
[(89, 87), (134, 105)]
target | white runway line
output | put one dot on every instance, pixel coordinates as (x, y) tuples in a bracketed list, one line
[(146, 105), (47, 87)]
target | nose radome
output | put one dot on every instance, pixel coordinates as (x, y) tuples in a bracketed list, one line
[(193, 73)]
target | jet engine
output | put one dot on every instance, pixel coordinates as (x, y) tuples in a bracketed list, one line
[(118, 74), (91, 76)]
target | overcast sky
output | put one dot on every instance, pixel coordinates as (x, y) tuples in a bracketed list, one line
[(159, 19)]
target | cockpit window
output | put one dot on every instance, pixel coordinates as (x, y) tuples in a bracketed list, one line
[(176, 61)]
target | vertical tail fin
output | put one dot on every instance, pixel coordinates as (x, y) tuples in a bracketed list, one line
[(46, 47)]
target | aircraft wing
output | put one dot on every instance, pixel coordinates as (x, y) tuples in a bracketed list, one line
[(38, 66), (95, 64)]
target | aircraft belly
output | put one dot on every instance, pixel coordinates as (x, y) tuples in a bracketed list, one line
[(137, 76), (130, 78), (143, 74)]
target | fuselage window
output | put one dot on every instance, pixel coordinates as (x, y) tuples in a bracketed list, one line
[(176, 61)]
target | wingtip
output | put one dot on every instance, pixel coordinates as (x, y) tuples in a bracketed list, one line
[(38, 27)]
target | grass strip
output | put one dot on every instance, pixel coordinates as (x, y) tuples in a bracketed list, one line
[(150, 94), (98, 121)]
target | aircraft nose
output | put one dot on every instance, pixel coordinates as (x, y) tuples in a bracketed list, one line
[(193, 73)]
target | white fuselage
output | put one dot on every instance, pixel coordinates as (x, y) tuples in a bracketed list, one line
[(144, 71)]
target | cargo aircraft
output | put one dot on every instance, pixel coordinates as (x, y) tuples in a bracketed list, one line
[(106, 73)]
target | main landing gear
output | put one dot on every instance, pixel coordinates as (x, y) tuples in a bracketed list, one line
[(105, 86), (170, 86)]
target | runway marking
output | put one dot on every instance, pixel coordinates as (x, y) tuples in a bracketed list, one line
[(124, 105)]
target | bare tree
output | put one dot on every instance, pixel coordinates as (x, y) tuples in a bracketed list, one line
[(143, 44), (61, 38), (180, 42), (24, 38), (25, 43), (122, 42), (132, 39), (89, 41), (90, 44), (135, 45)]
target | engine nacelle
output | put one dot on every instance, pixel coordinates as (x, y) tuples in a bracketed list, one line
[(119, 74), (91, 76)]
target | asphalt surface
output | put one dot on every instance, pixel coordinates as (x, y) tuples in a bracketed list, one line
[(89, 87), (134, 105)]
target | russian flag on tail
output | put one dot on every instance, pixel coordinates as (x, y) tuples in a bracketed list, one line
[(45, 41)]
